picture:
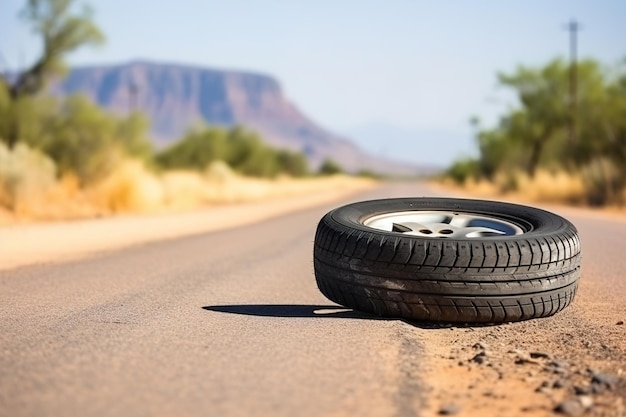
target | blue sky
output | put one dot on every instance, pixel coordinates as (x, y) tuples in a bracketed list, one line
[(354, 65)]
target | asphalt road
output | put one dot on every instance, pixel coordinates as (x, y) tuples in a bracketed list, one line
[(231, 323)]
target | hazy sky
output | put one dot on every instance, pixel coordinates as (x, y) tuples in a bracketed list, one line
[(349, 64)]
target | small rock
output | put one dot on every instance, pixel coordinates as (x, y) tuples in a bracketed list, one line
[(570, 407), (524, 361), (481, 357), (609, 381), (523, 357), (620, 323), (557, 367), (449, 409), (586, 401), (530, 408), (578, 390), (544, 390), (540, 355), (597, 388), (559, 383), (558, 364), (481, 345)]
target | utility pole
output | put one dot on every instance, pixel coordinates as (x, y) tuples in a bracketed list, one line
[(573, 27), (133, 91)]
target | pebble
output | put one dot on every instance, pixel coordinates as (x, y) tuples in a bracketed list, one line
[(597, 388), (557, 367), (544, 390), (619, 323), (586, 401), (609, 381), (540, 355), (578, 390), (571, 407), (449, 409), (480, 358), (559, 383), (523, 357), (558, 364), (481, 345)]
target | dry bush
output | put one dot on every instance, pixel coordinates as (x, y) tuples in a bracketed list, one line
[(548, 186), (183, 189), (604, 182), (26, 178), (130, 188), (28, 183), (480, 187)]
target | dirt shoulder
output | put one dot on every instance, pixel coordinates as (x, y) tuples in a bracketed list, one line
[(570, 364), (562, 365), (24, 244)]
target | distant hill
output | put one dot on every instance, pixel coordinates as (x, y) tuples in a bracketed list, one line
[(177, 97)]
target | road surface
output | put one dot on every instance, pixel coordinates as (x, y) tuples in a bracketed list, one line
[(231, 323)]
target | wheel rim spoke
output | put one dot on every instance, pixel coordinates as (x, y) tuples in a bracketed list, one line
[(443, 224), (480, 232)]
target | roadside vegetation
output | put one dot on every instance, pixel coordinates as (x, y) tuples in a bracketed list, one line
[(546, 148), (63, 158)]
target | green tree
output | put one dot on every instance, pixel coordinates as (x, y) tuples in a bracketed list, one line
[(81, 140), (243, 150), (196, 150), (535, 133), (543, 96), (330, 167), (292, 163), (61, 31), (84, 139)]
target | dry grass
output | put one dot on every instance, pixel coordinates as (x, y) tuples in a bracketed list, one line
[(552, 187), (545, 186), (132, 188)]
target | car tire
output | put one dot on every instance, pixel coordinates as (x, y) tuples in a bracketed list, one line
[(473, 261)]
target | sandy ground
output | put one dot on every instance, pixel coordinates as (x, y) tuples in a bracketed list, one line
[(25, 244)]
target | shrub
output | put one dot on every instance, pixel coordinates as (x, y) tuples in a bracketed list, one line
[(244, 151), (463, 170), (26, 175), (330, 167)]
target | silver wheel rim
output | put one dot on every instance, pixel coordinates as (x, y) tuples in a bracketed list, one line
[(443, 224)]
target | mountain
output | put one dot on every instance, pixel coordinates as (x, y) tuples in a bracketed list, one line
[(177, 97)]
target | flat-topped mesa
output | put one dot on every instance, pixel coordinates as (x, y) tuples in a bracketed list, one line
[(176, 97)]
